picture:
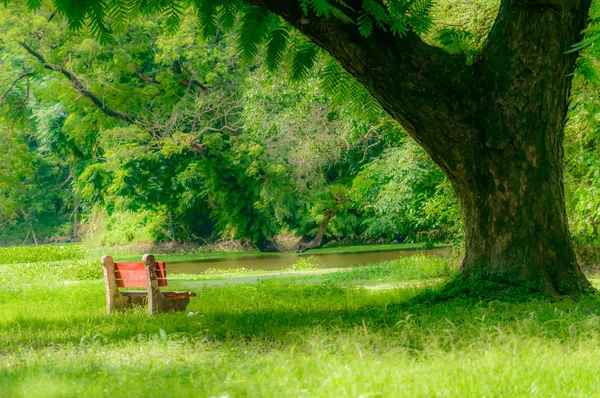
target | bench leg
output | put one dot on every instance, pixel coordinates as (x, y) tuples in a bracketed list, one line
[(114, 299), (157, 302)]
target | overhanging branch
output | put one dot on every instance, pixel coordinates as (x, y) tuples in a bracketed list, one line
[(83, 91), (565, 18), (426, 89)]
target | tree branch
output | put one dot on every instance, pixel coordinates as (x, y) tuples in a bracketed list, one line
[(83, 91), (193, 81), (143, 76), (527, 64), (567, 18), (14, 83), (426, 89)]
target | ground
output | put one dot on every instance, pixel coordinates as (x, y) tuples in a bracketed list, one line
[(352, 332)]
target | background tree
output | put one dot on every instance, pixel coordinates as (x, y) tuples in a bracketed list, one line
[(204, 145)]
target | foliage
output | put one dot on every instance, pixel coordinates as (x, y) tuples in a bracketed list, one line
[(402, 193), (123, 227), (217, 156), (581, 139), (304, 264), (26, 197), (256, 24), (232, 153)]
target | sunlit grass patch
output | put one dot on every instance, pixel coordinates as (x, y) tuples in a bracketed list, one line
[(516, 367), (400, 269), (45, 253)]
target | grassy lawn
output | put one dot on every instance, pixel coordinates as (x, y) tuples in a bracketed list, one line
[(283, 337)]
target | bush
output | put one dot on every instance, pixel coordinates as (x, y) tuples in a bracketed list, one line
[(589, 259), (304, 264), (124, 227)]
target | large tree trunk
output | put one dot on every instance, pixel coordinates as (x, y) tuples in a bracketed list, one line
[(494, 127), (510, 184), (514, 217)]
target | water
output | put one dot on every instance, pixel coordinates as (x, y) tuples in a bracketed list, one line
[(282, 261)]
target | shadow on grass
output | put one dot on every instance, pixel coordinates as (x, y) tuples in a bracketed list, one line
[(286, 314)]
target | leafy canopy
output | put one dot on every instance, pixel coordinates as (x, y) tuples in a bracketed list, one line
[(257, 28)]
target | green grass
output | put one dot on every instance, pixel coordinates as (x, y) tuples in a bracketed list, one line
[(282, 338), (305, 268), (288, 337), (32, 254), (400, 269)]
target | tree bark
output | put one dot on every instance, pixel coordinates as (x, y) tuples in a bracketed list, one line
[(515, 220), (318, 239), (495, 128), (510, 184)]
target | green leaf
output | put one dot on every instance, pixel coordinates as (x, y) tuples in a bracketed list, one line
[(96, 22), (119, 11), (378, 12), (365, 23), (228, 13), (207, 17), (276, 46), (305, 56), (174, 12), (34, 4), (252, 32)]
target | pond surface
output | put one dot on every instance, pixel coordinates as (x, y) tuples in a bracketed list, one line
[(285, 260)]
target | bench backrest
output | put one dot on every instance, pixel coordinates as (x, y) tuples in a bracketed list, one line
[(133, 274)]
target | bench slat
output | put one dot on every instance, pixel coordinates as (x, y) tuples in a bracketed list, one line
[(129, 266), (133, 274), (131, 282), (161, 272)]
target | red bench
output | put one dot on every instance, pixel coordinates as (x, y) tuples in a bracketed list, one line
[(148, 274)]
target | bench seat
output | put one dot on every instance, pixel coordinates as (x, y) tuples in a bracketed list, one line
[(166, 294)]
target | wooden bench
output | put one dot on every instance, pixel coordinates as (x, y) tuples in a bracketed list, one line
[(148, 274)]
